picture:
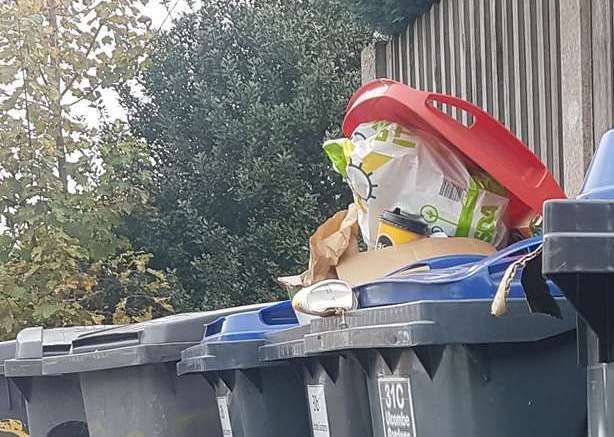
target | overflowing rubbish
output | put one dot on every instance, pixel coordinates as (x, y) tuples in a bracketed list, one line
[(427, 185), (389, 331), (368, 266), (335, 238), (396, 227), (389, 166), (325, 298), (482, 141)]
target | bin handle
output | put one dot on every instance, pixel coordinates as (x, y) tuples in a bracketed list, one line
[(476, 113)]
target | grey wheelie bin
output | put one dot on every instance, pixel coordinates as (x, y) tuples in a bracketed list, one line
[(129, 381), (335, 384), (12, 402), (579, 256), (254, 398), (439, 365), (53, 403)]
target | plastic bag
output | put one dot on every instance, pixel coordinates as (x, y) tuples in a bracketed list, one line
[(388, 166)]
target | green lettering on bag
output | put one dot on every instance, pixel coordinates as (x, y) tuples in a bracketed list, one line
[(466, 215)]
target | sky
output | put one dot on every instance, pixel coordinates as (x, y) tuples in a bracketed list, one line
[(162, 17)]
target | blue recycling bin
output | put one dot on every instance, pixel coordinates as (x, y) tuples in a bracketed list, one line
[(437, 364), (254, 398)]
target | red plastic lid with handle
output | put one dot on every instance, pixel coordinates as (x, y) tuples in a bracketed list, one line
[(486, 142)]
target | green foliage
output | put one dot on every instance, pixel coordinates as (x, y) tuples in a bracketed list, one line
[(388, 16), (64, 187), (239, 98)]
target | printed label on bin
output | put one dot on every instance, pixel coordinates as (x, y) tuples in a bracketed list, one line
[(222, 405), (397, 407), (317, 410)]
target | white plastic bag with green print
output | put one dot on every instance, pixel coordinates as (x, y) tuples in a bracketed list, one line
[(388, 166)]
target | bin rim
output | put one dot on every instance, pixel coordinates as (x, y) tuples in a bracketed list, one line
[(7, 352), (221, 356), (153, 341), (108, 359), (427, 323)]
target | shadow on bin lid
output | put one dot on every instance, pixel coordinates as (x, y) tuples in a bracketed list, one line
[(449, 278)]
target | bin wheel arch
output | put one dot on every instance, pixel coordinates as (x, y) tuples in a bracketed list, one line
[(70, 429)]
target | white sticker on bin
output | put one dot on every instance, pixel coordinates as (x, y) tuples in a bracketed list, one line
[(397, 407), (222, 405), (317, 411)]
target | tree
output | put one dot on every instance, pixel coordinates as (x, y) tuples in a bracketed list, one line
[(63, 185), (388, 16), (239, 98)]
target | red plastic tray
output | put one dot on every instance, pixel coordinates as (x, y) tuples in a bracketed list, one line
[(486, 142)]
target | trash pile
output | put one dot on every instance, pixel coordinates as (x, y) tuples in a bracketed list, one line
[(408, 184), (445, 214), (424, 185)]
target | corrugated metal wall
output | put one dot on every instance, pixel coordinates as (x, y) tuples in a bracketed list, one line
[(503, 55), (602, 66)]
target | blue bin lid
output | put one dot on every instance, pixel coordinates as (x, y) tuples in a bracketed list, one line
[(252, 325), (232, 342), (450, 278), (599, 182)]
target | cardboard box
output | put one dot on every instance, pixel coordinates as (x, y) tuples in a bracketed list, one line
[(359, 268)]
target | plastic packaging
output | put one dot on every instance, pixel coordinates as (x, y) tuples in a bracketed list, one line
[(483, 140), (388, 166)]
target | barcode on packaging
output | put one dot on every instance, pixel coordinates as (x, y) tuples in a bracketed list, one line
[(451, 191)]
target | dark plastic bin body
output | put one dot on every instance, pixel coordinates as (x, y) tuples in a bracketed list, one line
[(129, 382), (449, 369), (146, 401), (579, 257), (253, 398), (54, 403), (12, 402), (335, 385), (424, 357)]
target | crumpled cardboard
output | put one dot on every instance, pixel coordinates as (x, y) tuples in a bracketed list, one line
[(334, 254), (336, 237), (360, 268)]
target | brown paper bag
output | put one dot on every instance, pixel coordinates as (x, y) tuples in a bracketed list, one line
[(336, 237)]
